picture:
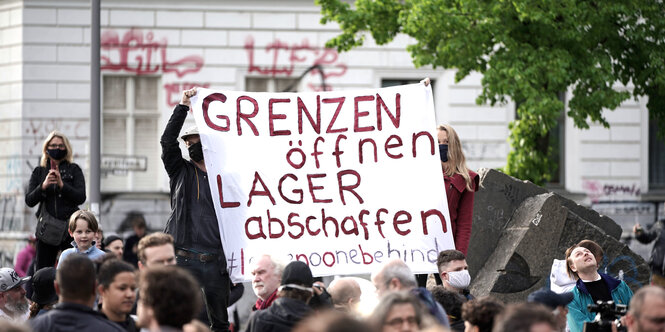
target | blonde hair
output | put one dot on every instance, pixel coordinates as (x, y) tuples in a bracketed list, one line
[(85, 215), (70, 155), (456, 159)]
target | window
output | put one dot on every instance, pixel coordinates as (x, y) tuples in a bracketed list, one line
[(394, 82), (656, 158), (261, 84), (130, 134)]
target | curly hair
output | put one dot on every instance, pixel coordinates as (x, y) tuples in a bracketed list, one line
[(481, 312), (172, 293)]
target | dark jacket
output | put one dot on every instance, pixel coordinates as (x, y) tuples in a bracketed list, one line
[(187, 182), (60, 202), (281, 316), (655, 232), (73, 317), (460, 206)]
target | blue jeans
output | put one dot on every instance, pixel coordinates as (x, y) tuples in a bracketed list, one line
[(215, 283)]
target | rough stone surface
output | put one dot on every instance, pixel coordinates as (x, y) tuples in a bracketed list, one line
[(522, 258), (500, 195)]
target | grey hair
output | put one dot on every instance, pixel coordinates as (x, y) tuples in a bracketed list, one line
[(399, 270)]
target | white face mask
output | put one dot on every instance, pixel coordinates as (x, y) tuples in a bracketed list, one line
[(459, 279)]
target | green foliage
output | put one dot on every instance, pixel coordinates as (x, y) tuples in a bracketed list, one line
[(528, 51)]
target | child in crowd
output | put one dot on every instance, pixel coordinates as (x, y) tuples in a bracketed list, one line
[(82, 227), (117, 287)]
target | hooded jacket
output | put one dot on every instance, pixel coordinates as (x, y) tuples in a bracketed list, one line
[(281, 316)]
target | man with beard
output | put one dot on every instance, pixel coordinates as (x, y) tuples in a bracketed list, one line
[(267, 274), (14, 305)]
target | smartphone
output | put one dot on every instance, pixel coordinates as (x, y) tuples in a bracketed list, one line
[(54, 165)]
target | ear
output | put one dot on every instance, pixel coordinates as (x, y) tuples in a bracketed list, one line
[(443, 275), (57, 287), (141, 266), (100, 290), (394, 284), (629, 320), (70, 232)]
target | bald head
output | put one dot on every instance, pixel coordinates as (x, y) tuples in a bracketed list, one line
[(345, 293), (647, 310)]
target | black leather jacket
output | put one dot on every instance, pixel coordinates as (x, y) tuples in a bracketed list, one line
[(60, 202), (187, 183)]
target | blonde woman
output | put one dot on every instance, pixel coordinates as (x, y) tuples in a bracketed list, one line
[(58, 186), (461, 184)]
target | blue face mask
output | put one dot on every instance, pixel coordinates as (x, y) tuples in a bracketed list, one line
[(443, 152)]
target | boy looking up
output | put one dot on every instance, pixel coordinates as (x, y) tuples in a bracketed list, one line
[(82, 227)]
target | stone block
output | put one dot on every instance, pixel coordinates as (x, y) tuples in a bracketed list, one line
[(495, 203)]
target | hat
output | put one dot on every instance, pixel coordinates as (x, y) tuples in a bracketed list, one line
[(193, 130), (43, 291), (550, 298), (110, 239), (9, 279), (297, 273)]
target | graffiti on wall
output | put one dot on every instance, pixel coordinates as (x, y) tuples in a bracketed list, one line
[(597, 191), (284, 57), (138, 52), (11, 212), (174, 90), (38, 129)]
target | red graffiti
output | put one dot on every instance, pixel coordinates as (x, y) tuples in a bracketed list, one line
[(143, 55), (285, 57), (173, 91)]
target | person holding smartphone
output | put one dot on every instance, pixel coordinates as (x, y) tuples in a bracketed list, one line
[(58, 186)]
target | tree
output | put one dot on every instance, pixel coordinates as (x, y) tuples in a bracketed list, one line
[(529, 51)]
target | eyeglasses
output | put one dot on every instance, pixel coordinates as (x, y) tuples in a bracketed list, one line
[(57, 146), (399, 321)]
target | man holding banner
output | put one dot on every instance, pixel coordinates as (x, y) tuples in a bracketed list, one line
[(193, 222), (340, 180)]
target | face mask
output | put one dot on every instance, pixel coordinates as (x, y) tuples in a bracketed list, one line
[(443, 152), (459, 279), (56, 154), (196, 152)]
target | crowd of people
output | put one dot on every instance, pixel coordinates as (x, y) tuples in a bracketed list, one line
[(70, 277)]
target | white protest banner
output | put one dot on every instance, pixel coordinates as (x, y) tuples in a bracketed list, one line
[(341, 180)]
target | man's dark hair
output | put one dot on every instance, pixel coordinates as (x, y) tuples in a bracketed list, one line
[(481, 312), (447, 256), (111, 268), (450, 301), (520, 317), (76, 278), (172, 293)]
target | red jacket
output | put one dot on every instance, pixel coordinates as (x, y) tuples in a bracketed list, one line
[(460, 206)]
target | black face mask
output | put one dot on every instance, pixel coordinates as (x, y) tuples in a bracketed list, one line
[(196, 152), (443, 152), (56, 154)]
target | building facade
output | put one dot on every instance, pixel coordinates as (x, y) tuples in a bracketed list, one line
[(152, 50)]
